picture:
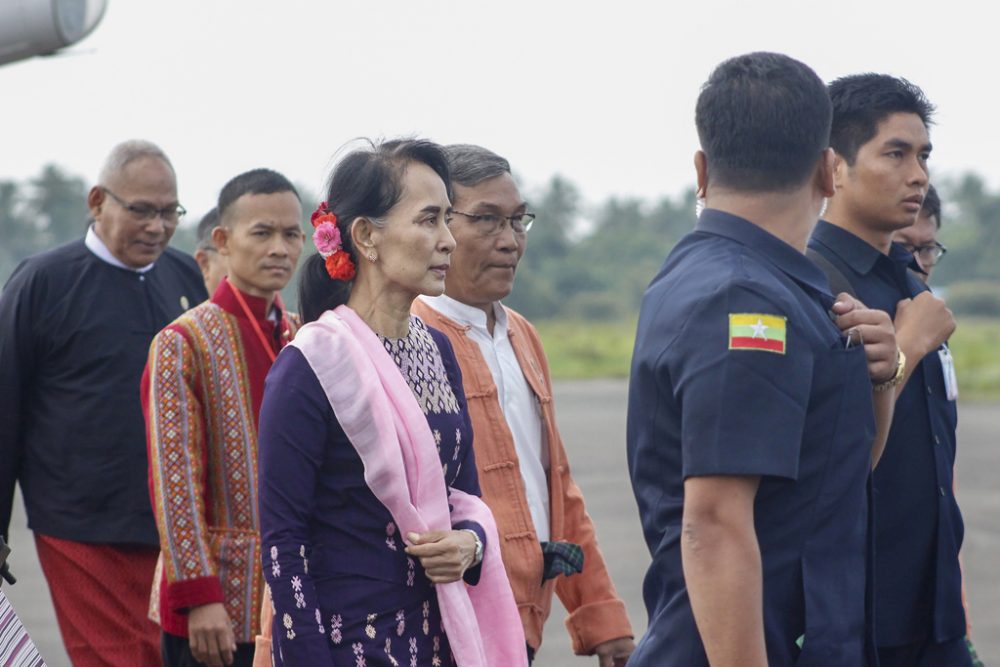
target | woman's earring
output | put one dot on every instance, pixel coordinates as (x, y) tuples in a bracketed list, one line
[(822, 209), (372, 256)]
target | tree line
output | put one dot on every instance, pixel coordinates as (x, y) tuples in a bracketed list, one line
[(583, 261)]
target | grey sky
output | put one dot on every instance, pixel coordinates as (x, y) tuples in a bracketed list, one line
[(602, 93)]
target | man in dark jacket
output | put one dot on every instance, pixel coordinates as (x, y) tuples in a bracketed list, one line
[(882, 145), (75, 327)]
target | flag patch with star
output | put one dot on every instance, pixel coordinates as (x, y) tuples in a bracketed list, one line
[(756, 331)]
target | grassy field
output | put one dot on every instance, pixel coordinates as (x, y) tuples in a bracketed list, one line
[(976, 348), (583, 350), (580, 350)]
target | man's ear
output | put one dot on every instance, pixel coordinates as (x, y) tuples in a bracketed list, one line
[(95, 200), (220, 237), (840, 169), (826, 173), (701, 172)]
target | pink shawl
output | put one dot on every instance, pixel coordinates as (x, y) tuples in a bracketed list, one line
[(378, 412)]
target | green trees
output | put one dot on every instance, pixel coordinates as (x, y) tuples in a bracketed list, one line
[(582, 262), (40, 214), (594, 267), (971, 230)]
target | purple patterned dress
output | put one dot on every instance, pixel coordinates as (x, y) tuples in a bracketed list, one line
[(344, 591)]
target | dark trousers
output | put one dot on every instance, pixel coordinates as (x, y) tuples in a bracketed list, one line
[(176, 652), (952, 653)]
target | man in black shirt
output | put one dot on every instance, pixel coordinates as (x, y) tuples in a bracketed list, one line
[(75, 327), (882, 145)]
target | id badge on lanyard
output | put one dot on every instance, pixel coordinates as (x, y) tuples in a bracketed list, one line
[(948, 369)]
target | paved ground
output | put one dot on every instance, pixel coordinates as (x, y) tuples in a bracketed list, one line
[(592, 418)]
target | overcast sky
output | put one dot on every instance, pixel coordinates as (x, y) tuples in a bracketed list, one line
[(602, 93)]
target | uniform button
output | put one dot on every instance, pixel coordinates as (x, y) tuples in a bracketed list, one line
[(941, 489), (929, 390), (937, 440)]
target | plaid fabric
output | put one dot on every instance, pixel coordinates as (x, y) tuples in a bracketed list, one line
[(561, 558), (976, 662), (16, 648)]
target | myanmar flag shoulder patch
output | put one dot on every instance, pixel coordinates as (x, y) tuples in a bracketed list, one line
[(757, 331)]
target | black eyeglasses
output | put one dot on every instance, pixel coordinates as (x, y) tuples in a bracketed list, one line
[(929, 254), (146, 211), (489, 224)]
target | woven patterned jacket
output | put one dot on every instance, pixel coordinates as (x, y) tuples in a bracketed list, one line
[(201, 396), (596, 613)]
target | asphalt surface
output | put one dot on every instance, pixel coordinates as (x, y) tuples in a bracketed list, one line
[(592, 420)]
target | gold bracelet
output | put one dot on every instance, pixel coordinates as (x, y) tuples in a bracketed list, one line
[(897, 378)]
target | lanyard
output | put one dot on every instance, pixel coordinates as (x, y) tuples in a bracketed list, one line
[(253, 321)]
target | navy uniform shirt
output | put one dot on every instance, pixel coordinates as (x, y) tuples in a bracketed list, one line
[(706, 399), (918, 526), (74, 338)]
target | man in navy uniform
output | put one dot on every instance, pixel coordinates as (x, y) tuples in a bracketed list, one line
[(882, 146), (75, 326), (752, 418)]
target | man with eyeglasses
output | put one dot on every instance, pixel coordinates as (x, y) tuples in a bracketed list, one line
[(548, 541), (882, 145), (920, 238), (75, 327)]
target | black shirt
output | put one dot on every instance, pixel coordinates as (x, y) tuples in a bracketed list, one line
[(918, 526), (74, 337)]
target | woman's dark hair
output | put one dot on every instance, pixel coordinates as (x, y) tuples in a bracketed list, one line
[(367, 182)]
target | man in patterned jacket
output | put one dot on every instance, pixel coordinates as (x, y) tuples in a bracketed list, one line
[(201, 396)]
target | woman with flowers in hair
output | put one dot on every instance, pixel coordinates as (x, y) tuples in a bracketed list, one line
[(376, 546)]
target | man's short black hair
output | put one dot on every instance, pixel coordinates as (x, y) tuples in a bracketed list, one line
[(253, 182), (931, 206), (764, 121), (862, 101), (209, 222)]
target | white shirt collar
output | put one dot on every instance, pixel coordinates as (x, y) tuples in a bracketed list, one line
[(96, 245), (468, 315), (514, 398)]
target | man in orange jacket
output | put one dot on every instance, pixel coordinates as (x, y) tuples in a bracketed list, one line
[(548, 540)]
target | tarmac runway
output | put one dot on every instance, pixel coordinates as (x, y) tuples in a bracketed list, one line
[(592, 420)]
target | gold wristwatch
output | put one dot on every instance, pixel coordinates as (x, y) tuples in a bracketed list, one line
[(896, 379)]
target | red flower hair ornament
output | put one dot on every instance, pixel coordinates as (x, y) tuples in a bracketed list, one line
[(328, 242)]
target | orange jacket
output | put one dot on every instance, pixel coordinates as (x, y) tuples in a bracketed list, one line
[(596, 613)]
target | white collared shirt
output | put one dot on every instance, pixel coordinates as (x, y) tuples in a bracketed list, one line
[(96, 245), (517, 400)]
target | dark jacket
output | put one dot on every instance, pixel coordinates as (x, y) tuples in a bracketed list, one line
[(74, 336)]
